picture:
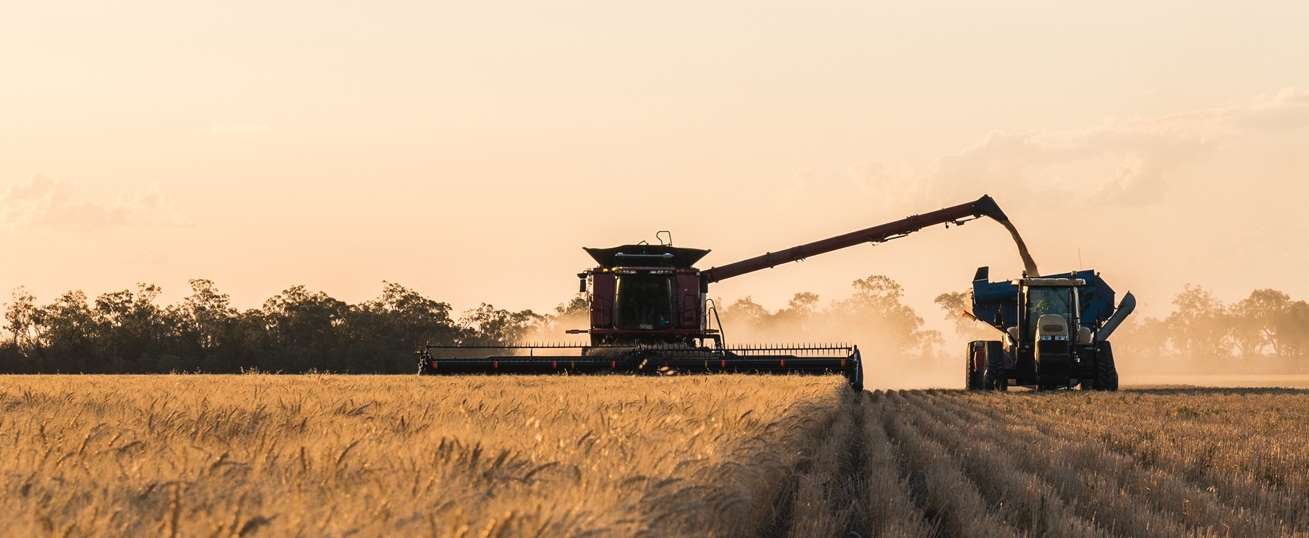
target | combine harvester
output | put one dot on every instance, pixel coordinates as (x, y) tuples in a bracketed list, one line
[(650, 313)]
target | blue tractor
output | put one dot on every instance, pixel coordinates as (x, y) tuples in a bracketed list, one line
[(1054, 332)]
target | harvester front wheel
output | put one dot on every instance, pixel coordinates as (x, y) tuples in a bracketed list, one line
[(1106, 374), (995, 377)]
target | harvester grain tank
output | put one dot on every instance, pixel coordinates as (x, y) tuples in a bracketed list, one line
[(650, 313), (1055, 332)]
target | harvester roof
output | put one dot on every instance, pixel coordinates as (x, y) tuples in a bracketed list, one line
[(645, 255)]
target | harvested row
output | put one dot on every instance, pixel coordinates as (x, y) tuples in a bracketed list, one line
[(1247, 447), (937, 483), (891, 507), (1213, 470), (1022, 498), (1062, 467), (1041, 464)]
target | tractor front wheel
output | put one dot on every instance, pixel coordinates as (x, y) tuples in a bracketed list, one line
[(1106, 374)]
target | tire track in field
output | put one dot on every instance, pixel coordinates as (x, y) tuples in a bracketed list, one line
[(952, 463), (947, 497), (940, 463), (1111, 483), (823, 496), (1094, 483), (1022, 497)]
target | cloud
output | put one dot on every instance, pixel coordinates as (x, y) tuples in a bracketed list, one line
[(45, 202), (1135, 183), (1067, 166), (241, 129)]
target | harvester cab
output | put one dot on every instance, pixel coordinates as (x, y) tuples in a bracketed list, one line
[(646, 295), (1055, 332)]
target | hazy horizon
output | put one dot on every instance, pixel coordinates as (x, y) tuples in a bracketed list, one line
[(469, 152)]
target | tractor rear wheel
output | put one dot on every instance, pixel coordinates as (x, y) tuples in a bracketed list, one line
[(995, 377), (1106, 374), (973, 374)]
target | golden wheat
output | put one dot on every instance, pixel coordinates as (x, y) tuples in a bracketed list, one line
[(335, 455)]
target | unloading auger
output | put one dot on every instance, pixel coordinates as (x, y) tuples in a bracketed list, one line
[(650, 314)]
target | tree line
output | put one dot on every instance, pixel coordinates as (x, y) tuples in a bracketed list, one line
[(299, 330), (1267, 324)]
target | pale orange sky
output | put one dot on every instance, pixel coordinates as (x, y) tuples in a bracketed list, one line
[(469, 151)]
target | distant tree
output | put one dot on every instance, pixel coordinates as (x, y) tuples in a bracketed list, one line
[(67, 327), (304, 326), (208, 314), (1291, 330), (1254, 318), (299, 317), (876, 302), (22, 319), (1199, 327), (130, 327), (798, 314), (746, 313), (955, 304), (208, 339), (407, 317), (579, 305), (384, 333), (488, 325), (572, 314)]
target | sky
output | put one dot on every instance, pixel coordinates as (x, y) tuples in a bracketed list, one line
[(469, 150)]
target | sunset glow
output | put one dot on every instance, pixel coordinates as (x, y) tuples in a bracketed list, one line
[(469, 152)]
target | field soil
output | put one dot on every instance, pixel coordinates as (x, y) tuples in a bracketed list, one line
[(721, 455)]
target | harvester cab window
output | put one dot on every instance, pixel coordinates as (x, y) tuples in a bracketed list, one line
[(644, 301), (1052, 300)]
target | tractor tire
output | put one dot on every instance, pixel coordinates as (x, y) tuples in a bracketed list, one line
[(995, 377), (972, 375), (1106, 374)]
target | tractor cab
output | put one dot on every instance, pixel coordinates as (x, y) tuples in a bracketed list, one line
[(1049, 309), (1048, 320)]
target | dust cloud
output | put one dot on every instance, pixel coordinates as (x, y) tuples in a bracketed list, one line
[(897, 352), (888, 363)]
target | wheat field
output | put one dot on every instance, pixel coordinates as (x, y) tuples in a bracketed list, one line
[(321, 455)]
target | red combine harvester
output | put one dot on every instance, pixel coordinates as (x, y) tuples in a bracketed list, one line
[(650, 314)]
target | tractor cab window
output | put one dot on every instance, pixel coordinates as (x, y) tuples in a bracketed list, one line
[(1052, 300), (644, 301)]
